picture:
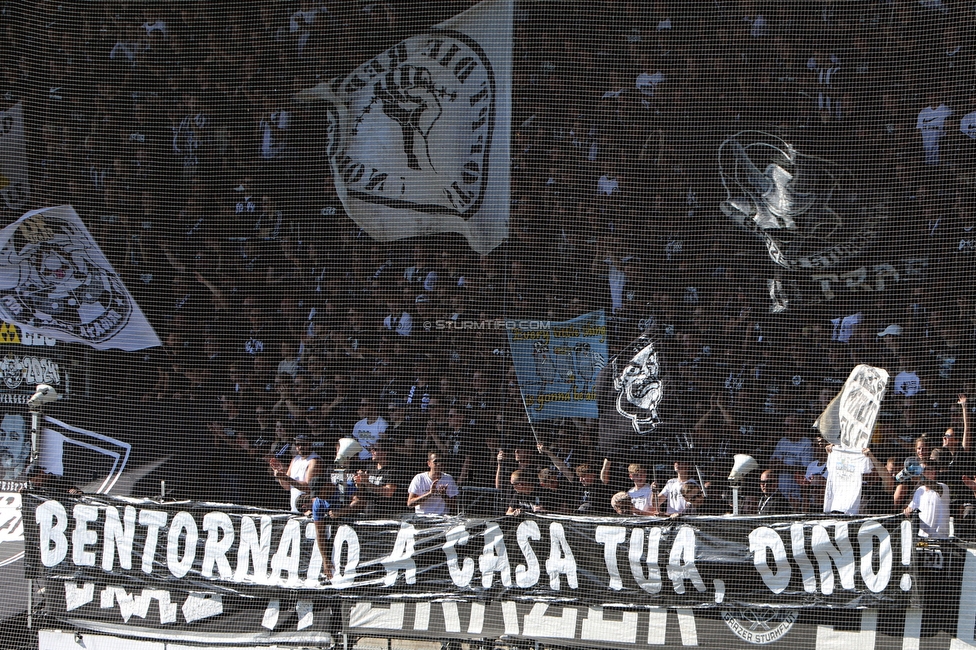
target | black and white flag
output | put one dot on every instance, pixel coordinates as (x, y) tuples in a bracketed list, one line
[(56, 282), (86, 459), (807, 210), (419, 138), (849, 419)]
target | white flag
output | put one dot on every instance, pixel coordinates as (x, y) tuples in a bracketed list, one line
[(79, 454), (56, 282), (860, 403), (14, 187), (420, 135)]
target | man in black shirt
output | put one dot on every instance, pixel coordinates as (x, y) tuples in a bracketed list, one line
[(594, 495), (772, 501), (551, 492), (383, 486), (523, 497)]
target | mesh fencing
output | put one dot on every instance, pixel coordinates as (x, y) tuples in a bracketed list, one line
[(591, 259)]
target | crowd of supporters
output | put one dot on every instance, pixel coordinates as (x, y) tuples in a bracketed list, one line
[(173, 131)]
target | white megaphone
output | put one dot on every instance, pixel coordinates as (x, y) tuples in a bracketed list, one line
[(742, 465), (346, 450), (44, 394)]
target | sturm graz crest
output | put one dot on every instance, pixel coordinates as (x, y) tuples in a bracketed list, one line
[(421, 117), (760, 625)]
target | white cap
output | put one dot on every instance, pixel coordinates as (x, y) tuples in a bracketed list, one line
[(891, 330)]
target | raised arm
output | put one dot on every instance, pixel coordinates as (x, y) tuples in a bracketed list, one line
[(729, 420), (965, 422), (558, 462), (286, 481), (881, 471), (704, 418)]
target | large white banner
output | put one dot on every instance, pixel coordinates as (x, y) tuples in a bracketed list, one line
[(14, 188), (56, 282), (420, 135)]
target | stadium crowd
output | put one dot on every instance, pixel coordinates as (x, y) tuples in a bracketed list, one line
[(172, 129)]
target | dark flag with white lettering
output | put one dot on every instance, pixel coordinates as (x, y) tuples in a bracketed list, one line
[(814, 217), (419, 140), (698, 561), (56, 282), (209, 571)]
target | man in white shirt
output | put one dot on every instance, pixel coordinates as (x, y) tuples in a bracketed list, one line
[(370, 429), (432, 492), (931, 500), (304, 466), (845, 469), (931, 125), (676, 503)]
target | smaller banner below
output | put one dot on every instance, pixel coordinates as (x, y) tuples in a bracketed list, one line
[(181, 613), (14, 188), (419, 142), (554, 624), (558, 364), (56, 282)]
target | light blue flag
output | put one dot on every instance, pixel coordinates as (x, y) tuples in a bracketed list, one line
[(557, 366)]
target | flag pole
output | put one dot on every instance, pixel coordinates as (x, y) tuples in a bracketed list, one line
[(527, 416)]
